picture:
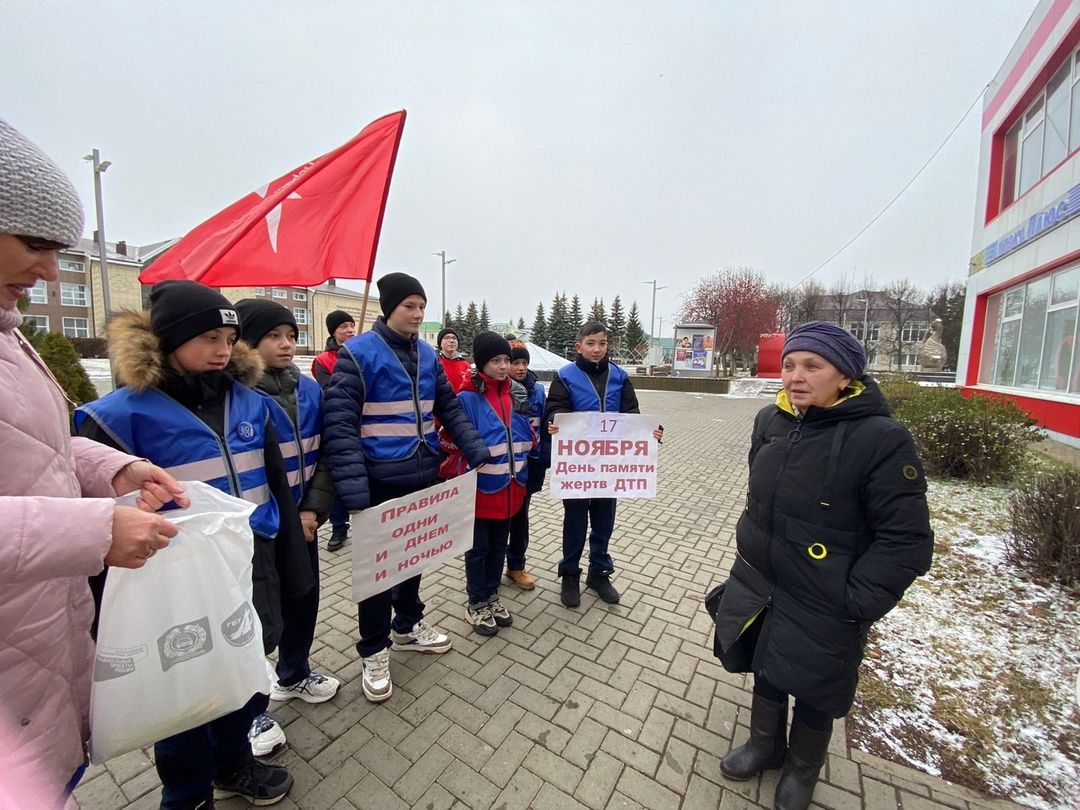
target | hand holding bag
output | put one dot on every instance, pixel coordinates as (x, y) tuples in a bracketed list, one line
[(179, 642)]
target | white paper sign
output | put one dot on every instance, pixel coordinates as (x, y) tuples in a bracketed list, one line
[(404, 537), (604, 455)]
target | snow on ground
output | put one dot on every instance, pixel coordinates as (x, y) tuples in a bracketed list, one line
[(973, 677)]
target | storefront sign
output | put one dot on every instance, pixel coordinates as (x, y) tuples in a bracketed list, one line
[(604, 455), (404, 537), (1058, 213)]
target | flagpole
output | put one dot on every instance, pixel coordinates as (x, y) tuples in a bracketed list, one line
[(363, 307)]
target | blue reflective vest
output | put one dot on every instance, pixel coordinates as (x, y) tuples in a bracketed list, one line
[(300, 440), (583, 393), (509, 446), (154, 426), (537, 400), (398, 411)]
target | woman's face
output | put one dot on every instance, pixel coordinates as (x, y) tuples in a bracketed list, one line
[(810, 379), (23, 262)]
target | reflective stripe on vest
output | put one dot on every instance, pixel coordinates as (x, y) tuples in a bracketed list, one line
[(398, 411), (154, 426), (306, 445), (495, 474), (583, 395)]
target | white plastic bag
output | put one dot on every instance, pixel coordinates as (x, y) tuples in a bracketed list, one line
[(179, 643)]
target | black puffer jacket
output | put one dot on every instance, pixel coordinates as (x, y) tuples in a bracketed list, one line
[(281, 384), (836, 528), (351, 469)]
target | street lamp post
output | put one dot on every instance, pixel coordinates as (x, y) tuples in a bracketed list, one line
[(445, 261), (652, 312), (99, 168)]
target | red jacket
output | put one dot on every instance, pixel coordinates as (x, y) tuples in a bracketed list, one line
[(457, 369), (505, 503)]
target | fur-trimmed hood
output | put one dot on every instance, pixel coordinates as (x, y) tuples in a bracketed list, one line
[(139, 363)]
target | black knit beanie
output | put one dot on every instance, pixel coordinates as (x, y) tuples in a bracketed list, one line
[(518, 349), (257, 317), (182, 310), (336, 319), (487, 345), (443, 333), (395, 288)]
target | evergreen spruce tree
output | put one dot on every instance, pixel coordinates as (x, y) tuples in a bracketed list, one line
[(575, 313), (616, 326), (459, 317), (597, 312), (60, 356), (521, 325), (470, 328), (448, 320), (635, 337), (539, 332), (485, 317), (33, 335), (561, 333)]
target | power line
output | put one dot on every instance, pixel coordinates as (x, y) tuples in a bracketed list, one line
[(900, 193)]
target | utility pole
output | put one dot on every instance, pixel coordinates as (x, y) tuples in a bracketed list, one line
[(652, 312), (99, 168), (445, 261)]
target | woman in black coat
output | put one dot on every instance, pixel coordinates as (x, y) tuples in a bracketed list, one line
[(836, 528)]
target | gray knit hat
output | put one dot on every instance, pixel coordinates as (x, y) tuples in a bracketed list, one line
[(36, 197)]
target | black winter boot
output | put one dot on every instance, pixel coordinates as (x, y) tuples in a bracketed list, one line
[(601, 583), (571, 589), (337, 539), (768, 739), (806, 754)]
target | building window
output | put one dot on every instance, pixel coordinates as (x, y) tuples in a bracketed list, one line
[(911, 361), (1044, 135), (39, 293), (281, 293), (1030, 334), (72, 267), (856, 328), (39, 322), (299, 296), (914, 332), (260, 290), (302, 340), (73, 295), (76, 327), (301, 316)]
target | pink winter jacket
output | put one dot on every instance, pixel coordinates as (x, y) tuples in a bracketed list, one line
[(56, 517)]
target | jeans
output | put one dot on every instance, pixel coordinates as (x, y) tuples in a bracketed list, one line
[(339, 516), (578, 514), (484, 561), (299, 615), (519, 537), (187, 763)]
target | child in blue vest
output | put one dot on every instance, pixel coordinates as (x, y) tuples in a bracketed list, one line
[(500, 484), (591, 383), (184, 406), (536, 401), (380, 442), (271, 330)]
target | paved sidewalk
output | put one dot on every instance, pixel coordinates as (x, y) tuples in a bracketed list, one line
[(601, 707)]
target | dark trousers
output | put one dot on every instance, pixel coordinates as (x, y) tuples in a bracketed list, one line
[(519, 537), (484, 561), (339, 515), (592, 516), (298, 615), (187, 763), (814, 718)]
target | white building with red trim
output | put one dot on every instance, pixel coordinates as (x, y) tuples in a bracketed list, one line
[(1019, 338)]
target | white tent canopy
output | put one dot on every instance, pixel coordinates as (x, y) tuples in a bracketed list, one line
[(543, 360)]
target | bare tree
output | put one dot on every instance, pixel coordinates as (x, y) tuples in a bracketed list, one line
[(840, 295), (799, 304), (903, 302)]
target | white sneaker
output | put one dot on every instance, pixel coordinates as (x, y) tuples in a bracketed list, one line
[(377, 685), (265, 735), (315, 688), (423, 638)]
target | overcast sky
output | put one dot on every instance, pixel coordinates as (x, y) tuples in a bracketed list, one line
[(583, 147)]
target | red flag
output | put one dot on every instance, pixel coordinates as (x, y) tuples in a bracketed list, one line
[(320, 221)]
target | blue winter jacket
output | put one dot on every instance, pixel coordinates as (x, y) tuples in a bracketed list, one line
[(353, 472)]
